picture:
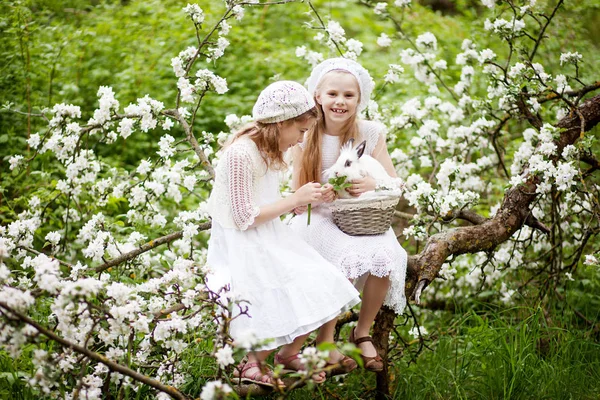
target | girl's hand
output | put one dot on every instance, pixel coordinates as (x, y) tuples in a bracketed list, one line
[(329, 194), (300, 210), (311, 192), (359, 186)]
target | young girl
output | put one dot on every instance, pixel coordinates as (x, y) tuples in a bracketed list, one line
[(377, 263), (290, 288)]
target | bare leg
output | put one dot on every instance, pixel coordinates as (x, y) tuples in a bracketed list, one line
[(293, 348), (258, 356), (374, 293), (290, 350), (326, 335)]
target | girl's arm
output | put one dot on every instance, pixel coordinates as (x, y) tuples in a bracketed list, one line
[(309, 193), (244, 211), (380, 153), (328, 193), (296, 162)]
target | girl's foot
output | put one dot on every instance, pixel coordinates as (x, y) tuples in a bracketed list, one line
[(253, 372), (294, 364), (343, 364), (371, 359)]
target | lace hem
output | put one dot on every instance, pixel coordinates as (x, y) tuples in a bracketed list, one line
[(253, 214), (287, 339), (356, 268)]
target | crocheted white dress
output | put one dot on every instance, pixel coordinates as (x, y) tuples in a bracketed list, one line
[(356, 256), (291, 289)]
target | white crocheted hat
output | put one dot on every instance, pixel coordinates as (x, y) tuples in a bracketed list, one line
[(281, 101), (365, 82)]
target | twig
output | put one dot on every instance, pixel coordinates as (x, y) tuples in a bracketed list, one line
[(541, 35), (192, 140), (37, 253), (314, 10)]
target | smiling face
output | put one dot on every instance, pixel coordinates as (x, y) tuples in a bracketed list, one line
[(292, 132), (338, 94)]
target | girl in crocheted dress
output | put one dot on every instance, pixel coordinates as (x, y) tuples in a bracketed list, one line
[(291, 290), (377, 263)]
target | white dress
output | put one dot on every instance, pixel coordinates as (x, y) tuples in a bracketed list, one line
[(356, 256), (291, 289)]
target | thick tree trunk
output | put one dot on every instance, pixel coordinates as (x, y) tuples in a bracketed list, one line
[(381, 333)]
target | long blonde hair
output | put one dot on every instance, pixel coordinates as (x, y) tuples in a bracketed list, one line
[(310, 165), (266, 137)]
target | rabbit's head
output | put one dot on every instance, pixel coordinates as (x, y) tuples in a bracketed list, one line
[(348, 163)]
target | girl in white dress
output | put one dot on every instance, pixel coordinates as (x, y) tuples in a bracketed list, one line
[(376, 263), (290, 288)]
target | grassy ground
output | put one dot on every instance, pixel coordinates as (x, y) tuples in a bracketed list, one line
[(481, 356)]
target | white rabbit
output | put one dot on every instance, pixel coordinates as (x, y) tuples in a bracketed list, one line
[(354, 164)]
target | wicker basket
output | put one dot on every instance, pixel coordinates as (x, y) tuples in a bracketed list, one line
[(371, 216)]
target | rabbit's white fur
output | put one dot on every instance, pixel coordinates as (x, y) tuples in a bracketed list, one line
[(354, 164)]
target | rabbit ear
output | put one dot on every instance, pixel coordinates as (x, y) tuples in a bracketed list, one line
[(348, 145), (360, 149)]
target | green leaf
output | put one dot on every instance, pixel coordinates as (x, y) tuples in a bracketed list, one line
[(339, 183)]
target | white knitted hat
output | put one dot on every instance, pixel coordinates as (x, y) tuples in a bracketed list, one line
[(281, 101), (365, 82)]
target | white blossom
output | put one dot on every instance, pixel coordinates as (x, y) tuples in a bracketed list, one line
[(224, 356), (238, 12), (414, 332), (335, 31), (53, 237), (354, 46), (15, 161), (195, 13), (245, 340), (164, 145), (125, 127), (570, 58), (590, 259), (34, 141), (384, 40), (214, 390), (427, 41), (380, 8)]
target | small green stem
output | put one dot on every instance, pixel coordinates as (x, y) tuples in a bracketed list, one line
[(308, 211)]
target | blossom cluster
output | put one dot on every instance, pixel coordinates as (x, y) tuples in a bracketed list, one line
[(534, 156)]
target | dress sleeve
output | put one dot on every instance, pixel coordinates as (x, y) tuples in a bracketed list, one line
[(373, 132), (240, 188)]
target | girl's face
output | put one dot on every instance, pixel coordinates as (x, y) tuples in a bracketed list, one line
[(292, 132), (338, 95)]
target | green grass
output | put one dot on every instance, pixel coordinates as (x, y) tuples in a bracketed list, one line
[(491, 358), (13, 379), (511, 354)]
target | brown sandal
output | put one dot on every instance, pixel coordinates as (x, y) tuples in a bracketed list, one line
[(374, 364), (286, 362), (345, 365)]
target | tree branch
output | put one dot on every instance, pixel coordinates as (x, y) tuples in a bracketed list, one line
[(146, 247), (512, 215), (171, 391), (192, 140)]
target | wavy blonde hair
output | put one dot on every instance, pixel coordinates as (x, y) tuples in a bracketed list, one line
[(310, 165), (266, 137)]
